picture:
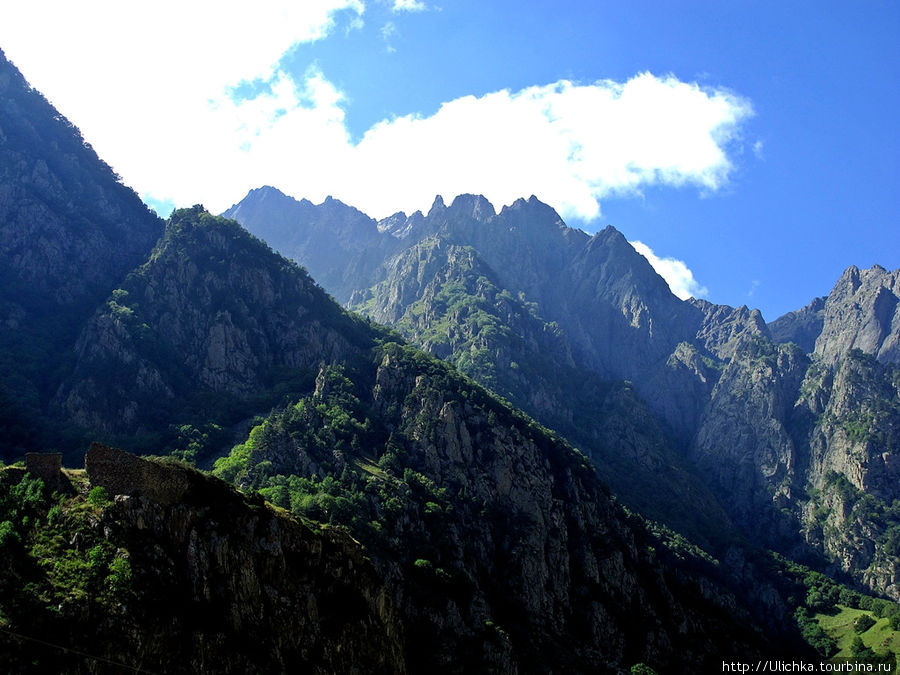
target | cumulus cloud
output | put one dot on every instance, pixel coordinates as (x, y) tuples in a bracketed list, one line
[(409, 6), (675, 272), (154, 94), (570, 144), (148, 83)]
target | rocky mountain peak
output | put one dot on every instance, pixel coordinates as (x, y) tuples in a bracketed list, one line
[(338, 243), (400, 225), (532, 212), (437, 206), (624, 269), (861, 312), (213, 308), (473, 206)]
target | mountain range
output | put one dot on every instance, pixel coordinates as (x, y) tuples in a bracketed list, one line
[(393, 485), (767, 426)]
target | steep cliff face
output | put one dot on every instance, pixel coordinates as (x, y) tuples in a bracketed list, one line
[(854, 472), (802, 327), (177, 572), (69, 232), (799, 444), (811, 440), (861, 313), (744, 442), (859, 424), (213, 314), (503, 549)]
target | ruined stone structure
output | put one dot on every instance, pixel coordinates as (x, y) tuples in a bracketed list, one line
[(122, 473), (47, 466)]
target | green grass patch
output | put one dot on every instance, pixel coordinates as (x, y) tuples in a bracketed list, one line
[(370, 467), (880, 638)]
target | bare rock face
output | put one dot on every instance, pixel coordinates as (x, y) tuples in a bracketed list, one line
[(852, 418), (861, 313), (213, 310), (859, 429), (802, 326), (744, 442)]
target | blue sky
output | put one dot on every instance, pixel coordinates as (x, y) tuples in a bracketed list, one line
[(753, 146)]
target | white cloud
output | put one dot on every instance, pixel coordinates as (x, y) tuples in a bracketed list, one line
[(675, 272), (408, 6), (150, 92), (758, 149), (388, 31), (147, 82), (572, 145)]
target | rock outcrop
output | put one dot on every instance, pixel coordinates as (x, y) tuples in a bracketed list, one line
[(213, 310), (861, 313), (732, 406)]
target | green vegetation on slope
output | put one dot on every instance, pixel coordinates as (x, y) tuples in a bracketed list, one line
[(59, 569), (465, 501), (213, 329), (464, 316), (862, 635), (831, 616)]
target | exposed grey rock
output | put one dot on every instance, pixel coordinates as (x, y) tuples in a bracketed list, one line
[(340, 246), (801, 327), (712, 373), (213, 310), (861, 313), (744, 444)]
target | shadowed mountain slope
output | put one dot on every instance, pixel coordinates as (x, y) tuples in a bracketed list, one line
[(552, 318), (69, 232)]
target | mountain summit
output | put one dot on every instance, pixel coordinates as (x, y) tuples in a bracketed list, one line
[(568, 325)]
